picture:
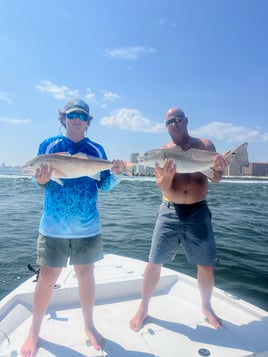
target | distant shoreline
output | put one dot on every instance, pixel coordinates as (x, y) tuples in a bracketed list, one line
[(245, 178), (226, 177), (17, 171), (10, 171)]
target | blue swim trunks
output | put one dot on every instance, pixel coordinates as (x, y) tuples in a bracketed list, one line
[(185, 224)]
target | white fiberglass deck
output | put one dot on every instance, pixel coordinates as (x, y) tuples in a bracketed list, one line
[(175, 327)]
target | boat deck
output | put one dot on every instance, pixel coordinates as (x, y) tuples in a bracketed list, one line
[(175, 326)]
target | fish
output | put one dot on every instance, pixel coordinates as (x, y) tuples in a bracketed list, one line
[(192, 160), (66, 166)]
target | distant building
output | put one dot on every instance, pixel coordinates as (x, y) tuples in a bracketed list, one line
[(234, 169), (256, 169), (133, 157)]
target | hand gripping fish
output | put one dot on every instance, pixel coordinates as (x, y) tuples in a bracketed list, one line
[(64, 165), (192, 160)]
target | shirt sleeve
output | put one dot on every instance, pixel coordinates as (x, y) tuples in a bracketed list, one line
[(42, 148)]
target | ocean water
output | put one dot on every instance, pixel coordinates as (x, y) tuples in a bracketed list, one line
[(128, 213)]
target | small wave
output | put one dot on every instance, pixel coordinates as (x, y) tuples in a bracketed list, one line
[(15, 176), (244, 181), (138, 178)]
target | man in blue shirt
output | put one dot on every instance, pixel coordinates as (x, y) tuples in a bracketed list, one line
[(70, 224)]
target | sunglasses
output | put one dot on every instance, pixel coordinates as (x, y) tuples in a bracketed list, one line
[(174, 120), (81, 116)]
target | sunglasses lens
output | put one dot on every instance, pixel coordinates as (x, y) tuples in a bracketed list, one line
[(174, 120), (82, 117), (71, 116)]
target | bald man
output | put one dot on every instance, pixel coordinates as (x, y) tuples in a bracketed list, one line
[(183, 218)]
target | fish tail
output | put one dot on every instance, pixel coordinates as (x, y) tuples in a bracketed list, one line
[(240, 154), (129, 169)]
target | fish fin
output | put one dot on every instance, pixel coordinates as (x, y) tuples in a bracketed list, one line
[(63, 153), (129, 169), (56, 179), (240, 154), (208, 173), (81, 155), (96, 176)]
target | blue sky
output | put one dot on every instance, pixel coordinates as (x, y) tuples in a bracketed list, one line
[(132, 60)]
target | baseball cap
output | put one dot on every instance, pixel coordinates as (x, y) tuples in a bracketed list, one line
[(76, 105)]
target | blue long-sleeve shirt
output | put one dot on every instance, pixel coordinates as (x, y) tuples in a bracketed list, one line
[(70, 211)]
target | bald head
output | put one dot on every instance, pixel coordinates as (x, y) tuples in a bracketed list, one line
[(174, 112)]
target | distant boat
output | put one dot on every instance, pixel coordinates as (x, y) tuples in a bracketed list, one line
[(175, 327)]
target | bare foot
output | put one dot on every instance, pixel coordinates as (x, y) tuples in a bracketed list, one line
[(212, 318), (28, 349), (95, 338), (137, 321)]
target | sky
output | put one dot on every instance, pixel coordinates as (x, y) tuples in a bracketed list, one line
[(132, 61)]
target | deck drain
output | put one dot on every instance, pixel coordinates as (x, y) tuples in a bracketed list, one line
[(57, 286), (203, 352), (151, 331)]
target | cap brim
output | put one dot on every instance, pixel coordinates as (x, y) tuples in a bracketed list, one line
[(75, 109)]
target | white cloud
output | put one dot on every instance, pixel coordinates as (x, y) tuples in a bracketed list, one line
[(265, 137), (129, 53), (59, 92), (132, 120), (229, 132), (165, 22), (65, 93), (90, 96), (4, 97), (108, 95), (15, 121)]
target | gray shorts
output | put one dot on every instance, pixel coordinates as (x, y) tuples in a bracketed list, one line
[(189, 225), (55, 252)]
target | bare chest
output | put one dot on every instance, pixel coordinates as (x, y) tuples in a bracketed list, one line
[(190, 187)]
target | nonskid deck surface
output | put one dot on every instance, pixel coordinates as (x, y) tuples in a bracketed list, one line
[(175, 327)]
